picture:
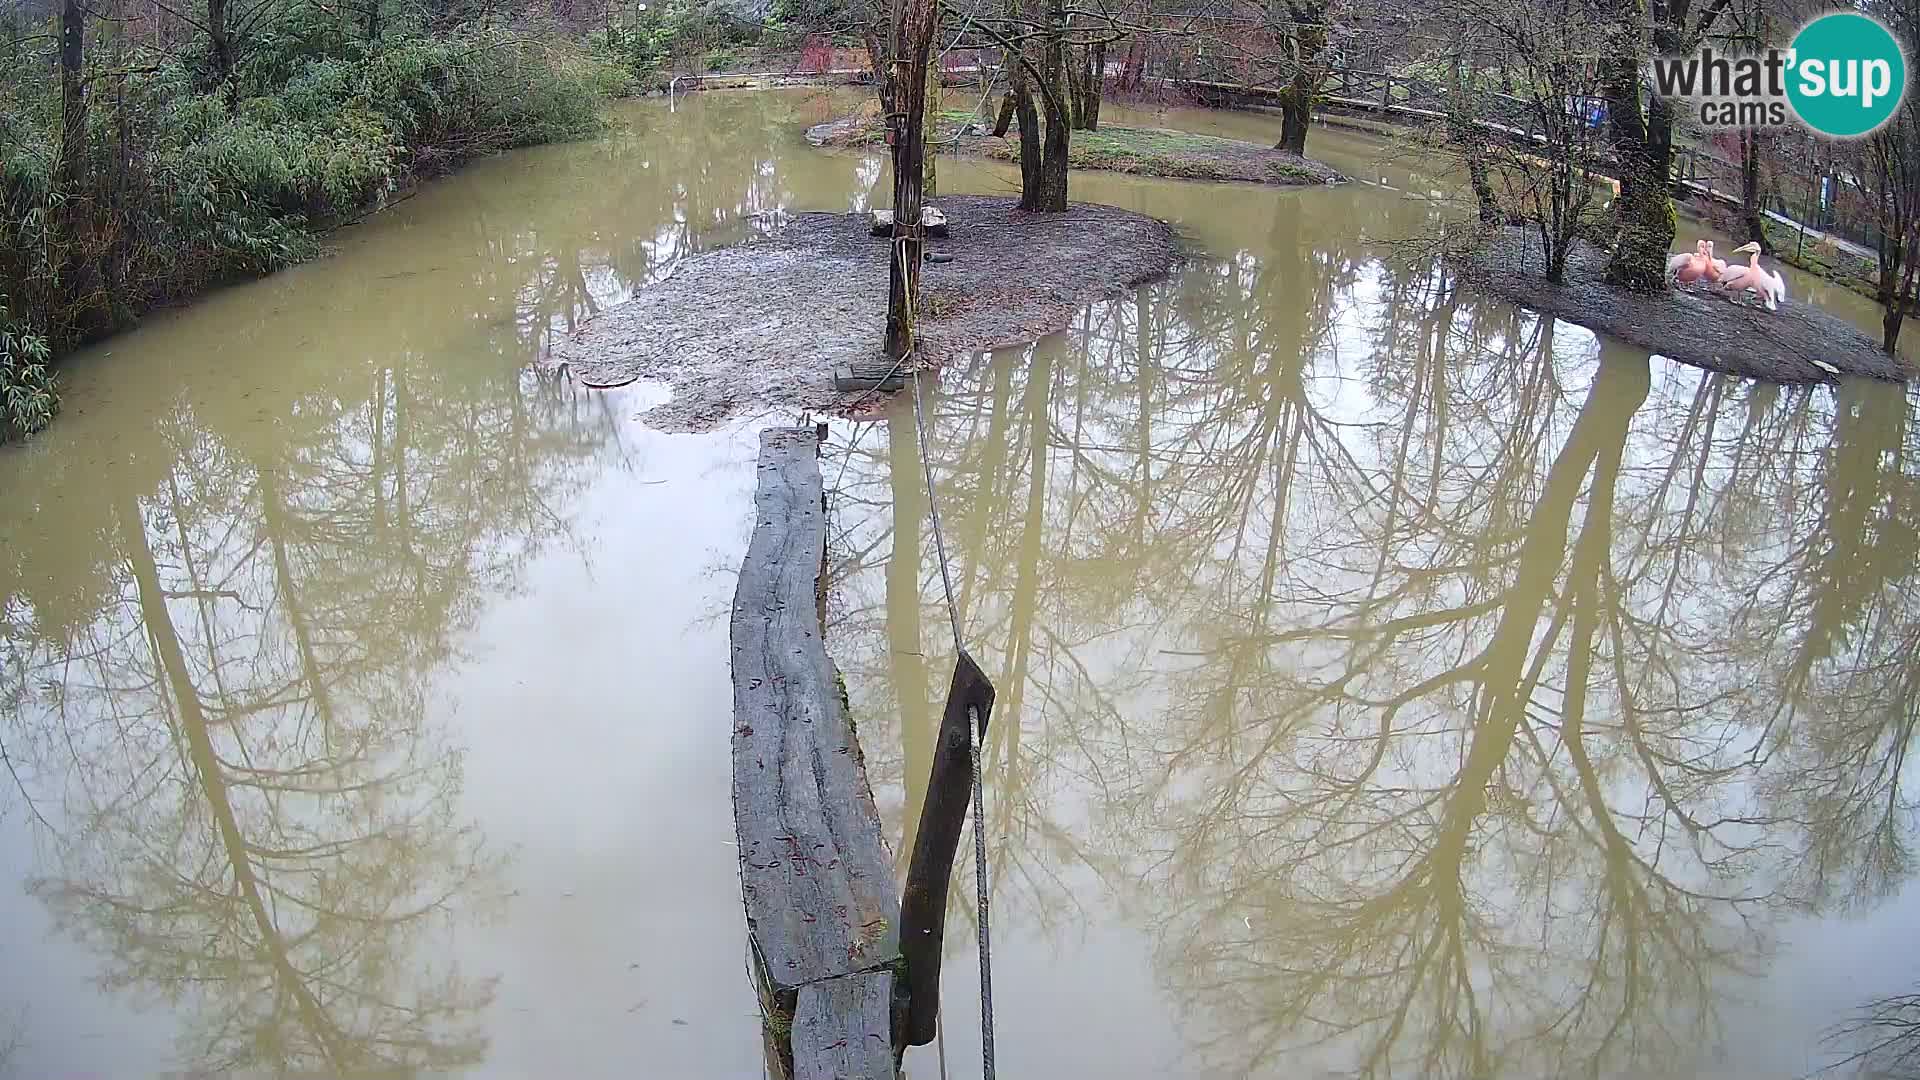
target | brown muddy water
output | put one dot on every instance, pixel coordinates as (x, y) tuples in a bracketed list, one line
[(1392, 682)]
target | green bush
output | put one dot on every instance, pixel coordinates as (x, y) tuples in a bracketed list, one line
[(182, 188), (27, 397)]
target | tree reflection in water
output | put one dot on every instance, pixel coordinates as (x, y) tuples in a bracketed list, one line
[(226, 623), (1451, 695), (246, 808)]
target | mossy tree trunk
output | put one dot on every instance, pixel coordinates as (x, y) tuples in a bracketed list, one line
[(1308, 33), (1642, 212)]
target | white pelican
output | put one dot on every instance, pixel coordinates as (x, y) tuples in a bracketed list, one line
[(1766, 284)]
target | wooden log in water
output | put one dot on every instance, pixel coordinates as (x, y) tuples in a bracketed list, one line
[(814, 870), (923, 903)]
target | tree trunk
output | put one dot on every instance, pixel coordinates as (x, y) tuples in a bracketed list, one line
[(221, 53), (879, 57), (1005, 119), (74, 271), (1890, 327), (73, 99), (1296, 115), (1076, 88), (1133, 76), (928, 182), (1052, 195), (1750, 208), (1021, 88), (1482, 181), (1643, 212), (1096, 85), (913, 39)]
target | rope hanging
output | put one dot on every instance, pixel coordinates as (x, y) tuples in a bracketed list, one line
[(973, 743)]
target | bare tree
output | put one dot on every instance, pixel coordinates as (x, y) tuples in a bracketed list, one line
[(1886, 1038), (1889, 159), (1545, 51)]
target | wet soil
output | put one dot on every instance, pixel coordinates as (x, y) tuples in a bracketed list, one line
[(1697, 324), (1160, 152), (757, 329)]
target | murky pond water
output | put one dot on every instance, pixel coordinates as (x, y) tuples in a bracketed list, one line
[(1391, 682)]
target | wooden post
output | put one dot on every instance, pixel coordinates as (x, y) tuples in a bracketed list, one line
[(923, 903), (814, 869)]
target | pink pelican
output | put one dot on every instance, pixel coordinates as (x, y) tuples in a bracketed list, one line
[(1687, 265), (1714, 267), (1766, 284)]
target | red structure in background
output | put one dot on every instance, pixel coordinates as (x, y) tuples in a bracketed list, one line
[(816, 54)]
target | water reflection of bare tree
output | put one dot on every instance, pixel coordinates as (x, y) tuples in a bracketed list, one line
[(1475, 705), (1883, 1040), (257, 822)]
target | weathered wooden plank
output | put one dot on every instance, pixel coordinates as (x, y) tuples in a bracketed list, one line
[(840, 1029), (923, 903), (814, 869), (866, 375)]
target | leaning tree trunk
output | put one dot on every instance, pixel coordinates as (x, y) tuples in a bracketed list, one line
[(1004, 121), (1643, 212)]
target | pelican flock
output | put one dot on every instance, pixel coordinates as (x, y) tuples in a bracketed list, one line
[(1750, 277)]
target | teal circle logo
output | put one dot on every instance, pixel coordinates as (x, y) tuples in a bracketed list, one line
[(1847, 74)]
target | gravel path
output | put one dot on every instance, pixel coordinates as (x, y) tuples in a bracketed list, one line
[(757, 329), (1692, 324)]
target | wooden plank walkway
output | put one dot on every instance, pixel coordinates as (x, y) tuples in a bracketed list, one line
[(821, 907)]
